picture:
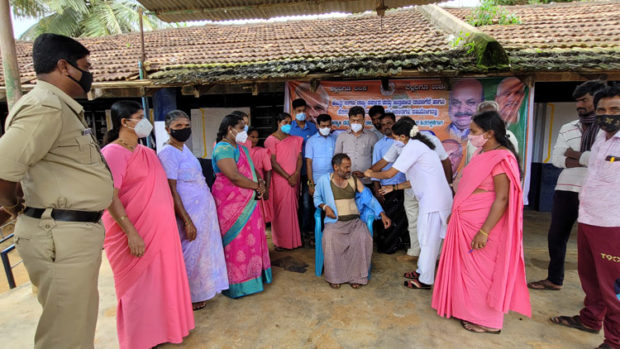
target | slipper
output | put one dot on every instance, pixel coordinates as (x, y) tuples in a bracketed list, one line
[(572, 322), (334, 286), (412, 275), (543, 285), (417, 285), (482, 330), (201, 306), (355, 286)]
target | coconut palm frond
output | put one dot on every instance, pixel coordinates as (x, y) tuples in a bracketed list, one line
[(66, 23)]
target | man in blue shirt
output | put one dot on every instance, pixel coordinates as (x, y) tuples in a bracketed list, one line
[(319, 151), (376, 113), (305, 129), (397, 236)]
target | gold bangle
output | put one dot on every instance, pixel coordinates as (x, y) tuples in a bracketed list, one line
[(484, 233), (122, 218)]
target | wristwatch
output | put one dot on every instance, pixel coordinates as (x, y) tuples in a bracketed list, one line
[(310, 183)]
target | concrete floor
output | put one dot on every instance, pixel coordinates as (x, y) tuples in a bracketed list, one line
[(301, 311)]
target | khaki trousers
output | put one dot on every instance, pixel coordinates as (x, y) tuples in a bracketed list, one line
[(63, 260), (412, 209)]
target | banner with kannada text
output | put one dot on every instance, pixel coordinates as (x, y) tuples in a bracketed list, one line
[(444, 110)]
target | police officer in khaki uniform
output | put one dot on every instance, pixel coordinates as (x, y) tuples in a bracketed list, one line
[(49, 150)]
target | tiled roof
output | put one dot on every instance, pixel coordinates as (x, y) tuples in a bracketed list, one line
[(559, 37)]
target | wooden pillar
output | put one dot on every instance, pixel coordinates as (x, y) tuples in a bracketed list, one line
[(9, 55)]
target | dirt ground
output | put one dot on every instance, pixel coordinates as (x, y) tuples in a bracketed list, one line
[(299, 310)]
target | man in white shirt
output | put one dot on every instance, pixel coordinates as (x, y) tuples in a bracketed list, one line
[(411, 203), (599, 228), (571, 153)]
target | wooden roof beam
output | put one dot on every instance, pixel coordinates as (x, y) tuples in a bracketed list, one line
[(489, 52)]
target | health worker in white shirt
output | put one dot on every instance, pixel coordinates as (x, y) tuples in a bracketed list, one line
[(424, 171)]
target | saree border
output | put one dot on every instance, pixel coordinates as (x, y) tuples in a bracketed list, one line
[(249, 287), (247, 212)]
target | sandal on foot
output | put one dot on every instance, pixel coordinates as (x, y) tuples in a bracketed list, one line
[(334, 286), (355, 286), (544, 285), (417, 285), (199, 305), (468, 327), (411, 275), (572, 322)]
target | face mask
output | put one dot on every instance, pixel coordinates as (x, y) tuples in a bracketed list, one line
[(399, 143), (143, 128), (477, 140), (85, 81), (241, 137), (608, 123), (325, 131), (356, 127), (181, 135), (245, 128), (286, 128), (301, 117)]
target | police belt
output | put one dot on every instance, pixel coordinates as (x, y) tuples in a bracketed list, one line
[(66, 215)]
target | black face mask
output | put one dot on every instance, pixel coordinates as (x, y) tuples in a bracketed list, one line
[(181, 135), (86, 81), (608, 123)]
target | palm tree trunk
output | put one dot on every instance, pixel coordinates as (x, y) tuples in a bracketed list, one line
[(9, 55)]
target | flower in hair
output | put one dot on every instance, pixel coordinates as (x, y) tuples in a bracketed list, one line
[(414, 131)]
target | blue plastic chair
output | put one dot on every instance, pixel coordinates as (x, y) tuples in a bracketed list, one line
[(318, 241)]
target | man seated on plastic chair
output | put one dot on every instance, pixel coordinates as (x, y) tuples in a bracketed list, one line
[(346, 241)]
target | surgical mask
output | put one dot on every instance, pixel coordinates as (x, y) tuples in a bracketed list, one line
[(86, 81), (181, 135), (399, 143), (143, 128), (300, 117), (325, 131), (477, 140), (241, 137), (608, 123), (286, 128), (356, 127)]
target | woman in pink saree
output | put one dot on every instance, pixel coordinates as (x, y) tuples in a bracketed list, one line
[(481, 272), (286, 162), (236, 191), (262, 163), (142, 239)]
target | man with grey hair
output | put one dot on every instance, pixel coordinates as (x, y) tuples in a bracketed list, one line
[(346, 242)]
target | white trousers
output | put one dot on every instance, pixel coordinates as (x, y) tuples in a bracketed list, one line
[(411, 208), (431, 227)]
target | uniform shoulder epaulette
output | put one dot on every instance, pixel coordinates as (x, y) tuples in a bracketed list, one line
[(50, 100)]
